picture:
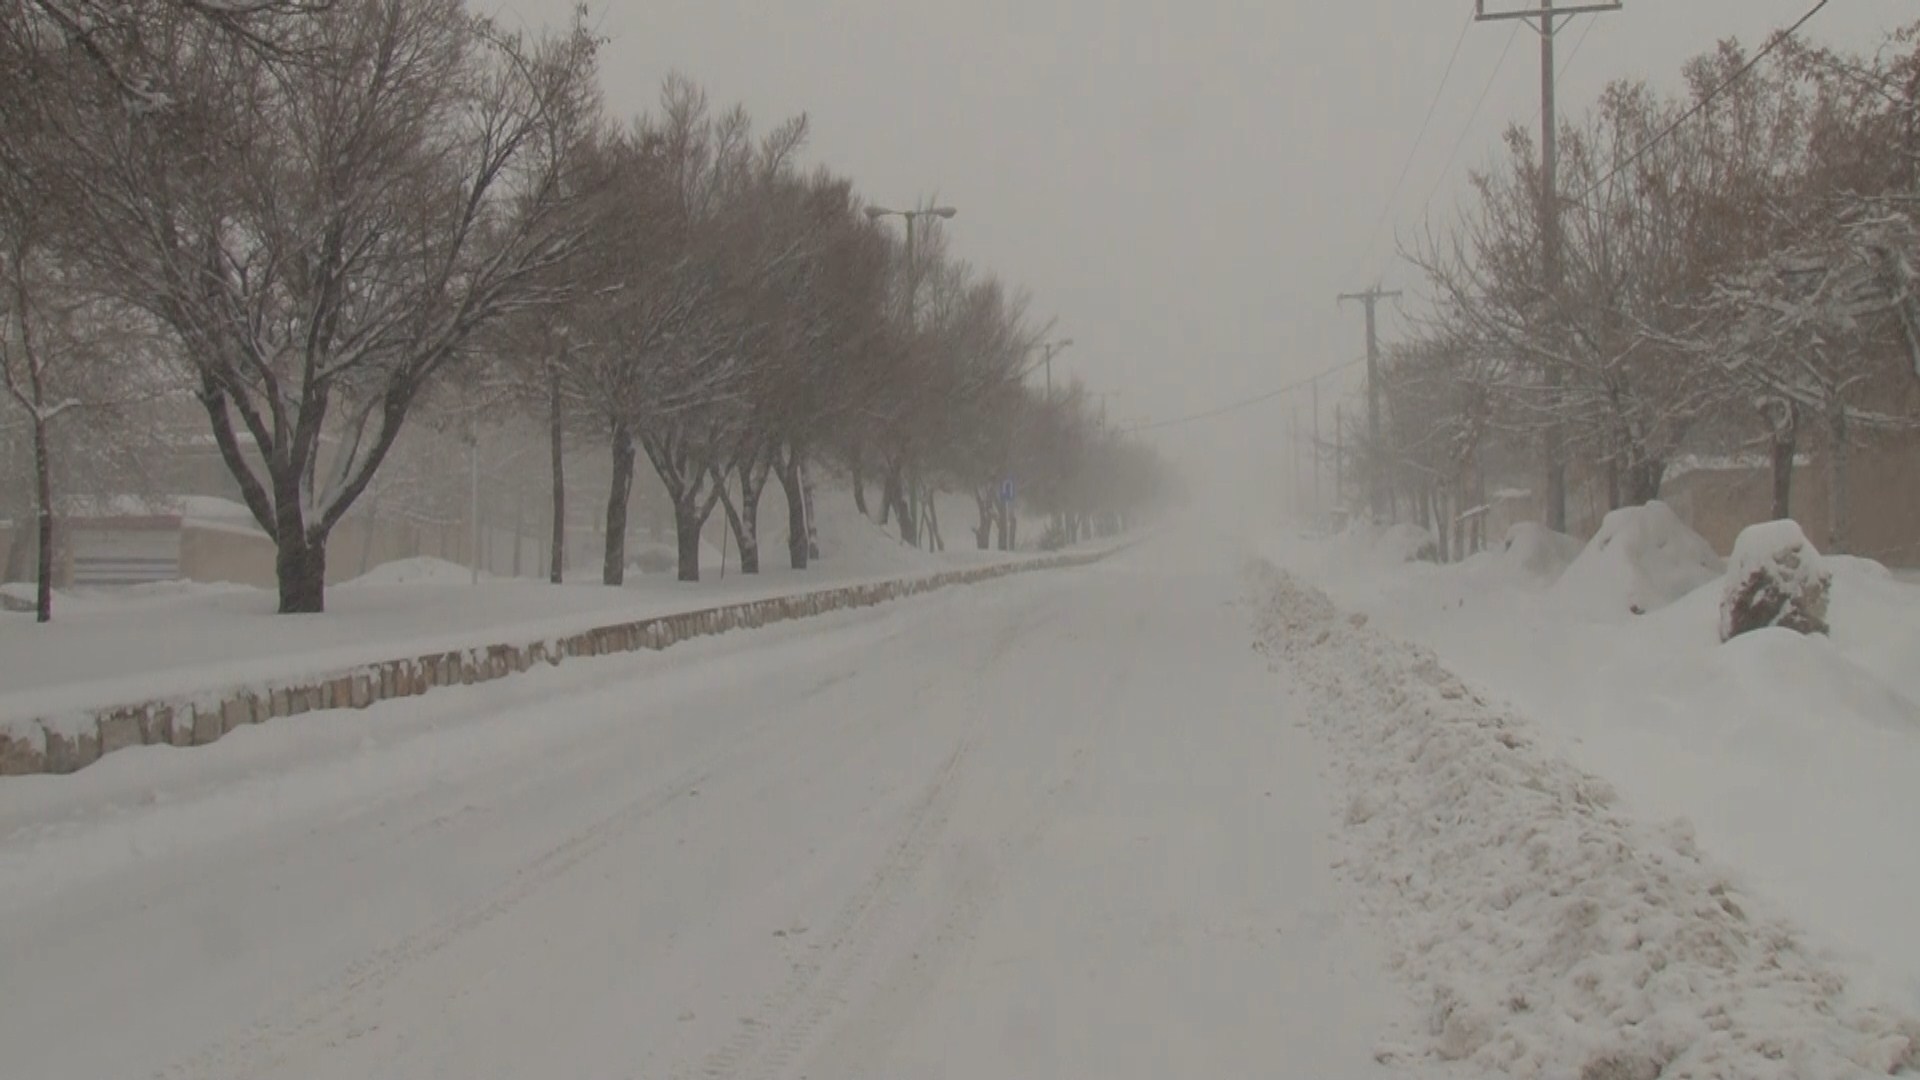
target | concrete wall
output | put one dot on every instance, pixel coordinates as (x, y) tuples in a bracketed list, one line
[(44, 747), (1883, 482)]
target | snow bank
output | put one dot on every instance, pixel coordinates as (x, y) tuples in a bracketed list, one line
[(1538, 552), (1405, 542), (1551, 933), (1642, 559), (419, 570)]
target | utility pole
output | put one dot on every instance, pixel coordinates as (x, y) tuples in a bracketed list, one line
[(1048, 350), (1316, 444), (1339, 456), (1376, 489), (1547, 20), (1293, 440)]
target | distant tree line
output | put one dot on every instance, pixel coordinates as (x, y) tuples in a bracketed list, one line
[(312, 218)]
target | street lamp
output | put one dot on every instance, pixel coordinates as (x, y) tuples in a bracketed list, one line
[(945, 213)]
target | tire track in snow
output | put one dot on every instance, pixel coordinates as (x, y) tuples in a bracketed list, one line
[(817, 986), (334, 1012)]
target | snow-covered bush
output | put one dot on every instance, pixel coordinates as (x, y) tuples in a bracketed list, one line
[(1776, 579)]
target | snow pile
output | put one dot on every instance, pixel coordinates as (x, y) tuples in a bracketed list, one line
[(1405, 542), (1551, 934), (1642, 559), (419, 570), (1538, 552), (1776, 580)]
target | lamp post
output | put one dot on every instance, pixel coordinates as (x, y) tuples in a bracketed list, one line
[(945, 213), (875, 213)]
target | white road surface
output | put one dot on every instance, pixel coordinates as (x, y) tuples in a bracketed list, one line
[(1056, 827)]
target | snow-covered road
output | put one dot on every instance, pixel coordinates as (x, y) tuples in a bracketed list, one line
[(1053, 827)]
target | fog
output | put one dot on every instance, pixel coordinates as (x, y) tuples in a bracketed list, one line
[(1186, 188)]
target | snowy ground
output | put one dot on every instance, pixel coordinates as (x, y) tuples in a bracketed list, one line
[(1058, 827), (1550, 930), (1789, 761), (116, 646)]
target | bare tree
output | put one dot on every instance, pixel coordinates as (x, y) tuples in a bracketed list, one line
[(324, 235)]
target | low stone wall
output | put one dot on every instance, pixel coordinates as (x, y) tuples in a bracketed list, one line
[(202, 720)]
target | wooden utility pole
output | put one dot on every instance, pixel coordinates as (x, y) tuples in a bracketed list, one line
[(1547, 20), (1376, 455), (1316, 444), (1293, 441), (1339, 457)]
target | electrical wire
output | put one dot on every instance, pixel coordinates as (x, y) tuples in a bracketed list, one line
[(1244, 403), (1560, 75), (1709, 98), (1467, 129), (1413, 152)]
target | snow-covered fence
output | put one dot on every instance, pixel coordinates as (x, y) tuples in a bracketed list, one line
[(44, 747)]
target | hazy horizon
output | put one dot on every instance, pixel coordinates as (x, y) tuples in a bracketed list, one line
[(1186, 192)]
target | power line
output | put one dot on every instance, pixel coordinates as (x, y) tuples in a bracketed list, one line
[(1466, 130), (1577, 46), (1711, 96), (1413, 152), (1245, 403)]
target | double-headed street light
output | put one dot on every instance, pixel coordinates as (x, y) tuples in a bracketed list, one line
[(875, 213)]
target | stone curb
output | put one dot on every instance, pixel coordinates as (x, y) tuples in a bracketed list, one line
[(178, 722)]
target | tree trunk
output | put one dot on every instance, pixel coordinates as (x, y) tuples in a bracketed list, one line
[(895, 496), (911, 510), (983, 534), (934, 541), (686, 529), (43, 499), (1837, 437), (799, 543), (519, 528), (806, 499), (20, 542), (744, 519), (557, 448), (614, 569), (860, 484), (1644, 475), (371, 526), (1786, 446), (301, 565)]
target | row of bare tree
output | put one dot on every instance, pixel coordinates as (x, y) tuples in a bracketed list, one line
[(311, 217), (1740, 268)]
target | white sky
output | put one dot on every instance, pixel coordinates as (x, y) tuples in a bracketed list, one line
[(1185, 186)]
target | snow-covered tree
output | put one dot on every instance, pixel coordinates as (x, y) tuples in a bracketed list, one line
[(323, 225)]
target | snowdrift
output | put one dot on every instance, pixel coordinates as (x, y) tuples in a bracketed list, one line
[(1403, 542), (1551, 931), (1642, 559), (1538, 553), (419, 570), (1790, 757)]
